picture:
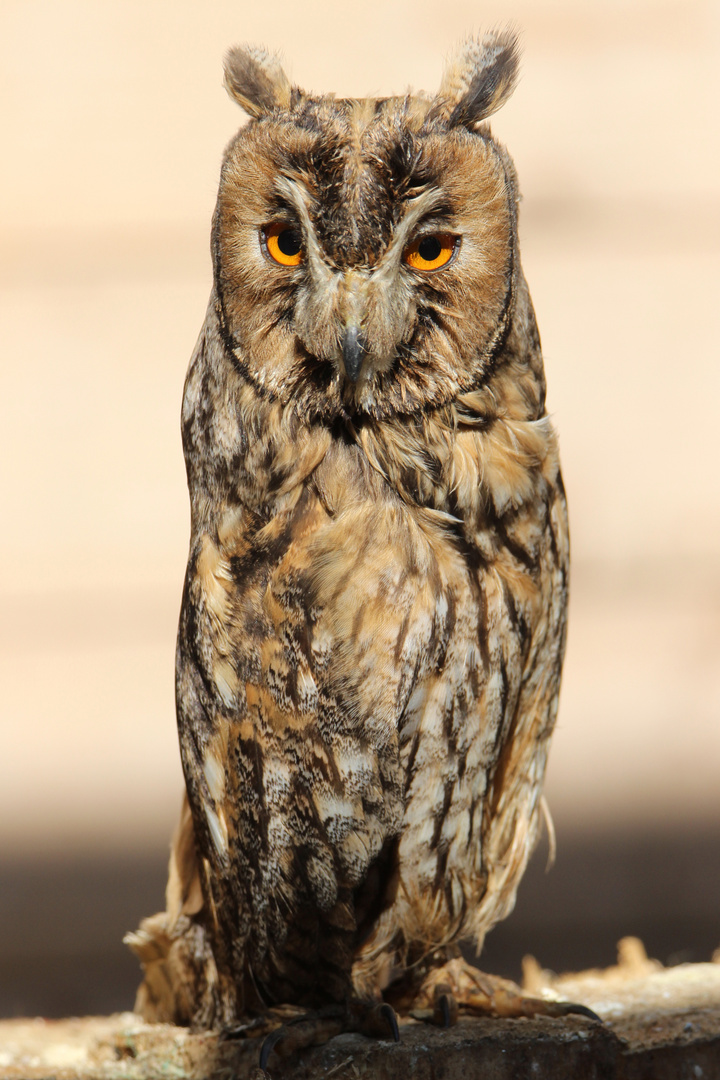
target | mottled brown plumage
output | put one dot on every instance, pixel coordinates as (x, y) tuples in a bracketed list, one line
[(373, 620)]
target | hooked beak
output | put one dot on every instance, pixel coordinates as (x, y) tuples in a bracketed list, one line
[(354, 351)]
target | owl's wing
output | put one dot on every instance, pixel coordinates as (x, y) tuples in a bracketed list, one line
[(475, 732), (514, 807)]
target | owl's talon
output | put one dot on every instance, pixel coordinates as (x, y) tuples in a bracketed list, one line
[(571, 1008), (313, 1029), (285, 1040), (388, 1014), (269, 1045), (446, 1011), (457, 987), (509, 1003), (378, 1022), (307, 1030)]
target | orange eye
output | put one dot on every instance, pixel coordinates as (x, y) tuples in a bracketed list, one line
[(283, 243), (431, 252)]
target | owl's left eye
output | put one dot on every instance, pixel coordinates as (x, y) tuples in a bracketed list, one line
[(431, 252), (283, 243)]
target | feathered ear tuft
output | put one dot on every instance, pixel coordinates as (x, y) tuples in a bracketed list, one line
[(256, 80), (479, 79)]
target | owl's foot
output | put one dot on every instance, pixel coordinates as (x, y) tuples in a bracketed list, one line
[(457, 988), (315, 1028)]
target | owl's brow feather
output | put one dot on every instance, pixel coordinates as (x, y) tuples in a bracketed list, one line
[(300, 198), (417, 208)]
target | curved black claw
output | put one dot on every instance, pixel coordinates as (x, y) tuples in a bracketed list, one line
[(308, 1029), (572, 1007), (379, 1022), (315, 1028), (446, 1010), (388, 1014), (269, 1045)]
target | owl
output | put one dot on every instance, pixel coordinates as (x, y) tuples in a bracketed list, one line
[(373, 618)]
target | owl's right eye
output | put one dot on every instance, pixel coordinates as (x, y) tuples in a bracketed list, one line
[(283, 243)]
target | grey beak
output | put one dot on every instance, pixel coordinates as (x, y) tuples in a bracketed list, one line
[(353, 352)]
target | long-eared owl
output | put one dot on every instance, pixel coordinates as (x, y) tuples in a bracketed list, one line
[(373, 619)]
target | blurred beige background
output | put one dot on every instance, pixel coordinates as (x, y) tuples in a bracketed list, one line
[(114, 120)]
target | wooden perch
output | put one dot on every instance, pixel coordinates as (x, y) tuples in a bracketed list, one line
[(659, 1024)]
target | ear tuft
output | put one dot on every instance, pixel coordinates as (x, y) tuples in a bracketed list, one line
[(256, 80), (479, 79)]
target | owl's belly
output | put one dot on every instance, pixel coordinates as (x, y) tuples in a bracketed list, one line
[(370, 678), (452, 734)]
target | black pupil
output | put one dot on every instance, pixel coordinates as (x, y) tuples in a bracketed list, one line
[(429, 249), (289, 242)]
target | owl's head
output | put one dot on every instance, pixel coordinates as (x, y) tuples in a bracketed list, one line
[(364, 250)]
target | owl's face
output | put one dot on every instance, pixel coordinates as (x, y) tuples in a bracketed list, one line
[(363, 249)]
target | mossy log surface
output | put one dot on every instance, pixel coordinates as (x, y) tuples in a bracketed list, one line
[(658, 1024)]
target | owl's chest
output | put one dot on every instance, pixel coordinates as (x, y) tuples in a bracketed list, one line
[(368, 600), (345, 596)]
